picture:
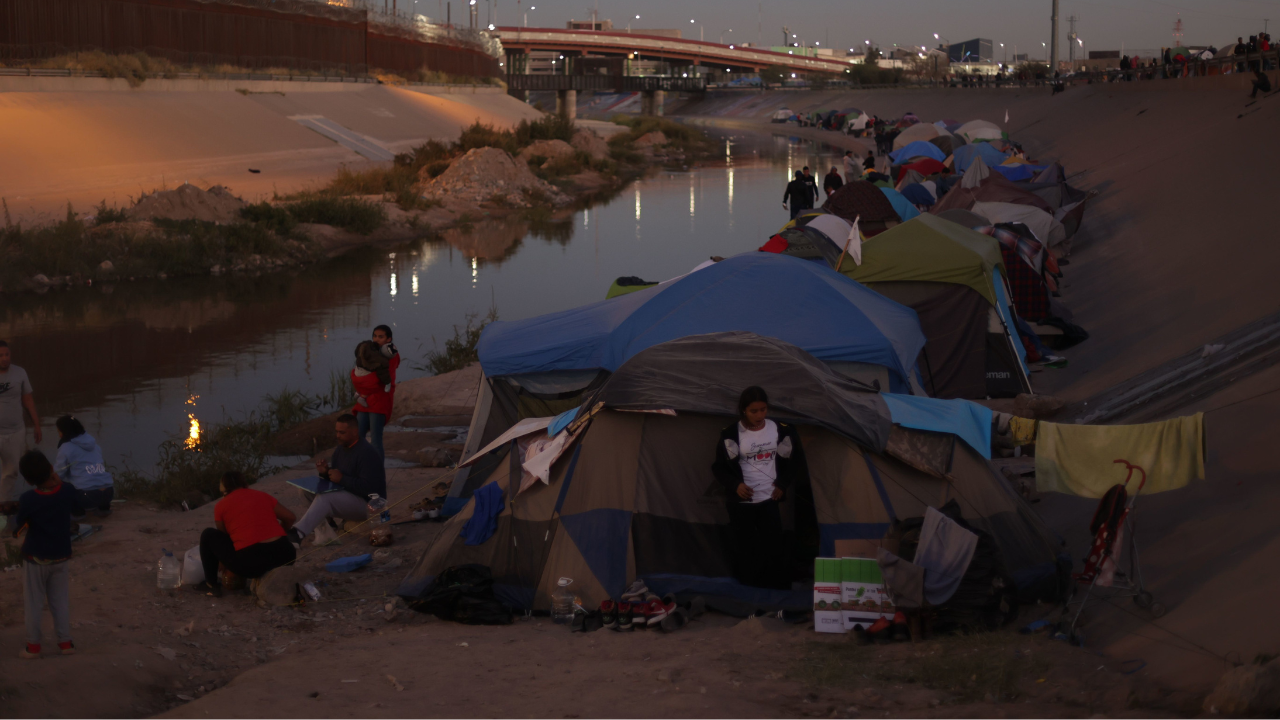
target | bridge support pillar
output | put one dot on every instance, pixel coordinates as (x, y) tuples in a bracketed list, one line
[(651, 102), (567, 104), (521, 95)]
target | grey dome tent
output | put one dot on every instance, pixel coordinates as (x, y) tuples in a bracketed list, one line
[(632, 496)]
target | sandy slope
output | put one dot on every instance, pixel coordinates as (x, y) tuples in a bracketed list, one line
[(109, 142)]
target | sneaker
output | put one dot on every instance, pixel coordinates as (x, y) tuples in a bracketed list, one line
[(880, 630), (901, 633), (636, 592), (295, 537), (204, 586), (677, 617), (609, 614), (656, 611), (624, 617), (30, 652), (640, 615), (67, 648)]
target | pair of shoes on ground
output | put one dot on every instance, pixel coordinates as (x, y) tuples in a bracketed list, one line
[(32, 650), (653, 612), (884, 630)]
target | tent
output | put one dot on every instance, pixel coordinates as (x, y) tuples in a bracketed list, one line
[(948, 143), (1046, 229), (917, 149), (855, 119), (781, 116), (965, 154), (993, 189), (1017, 173), (901, 205), (756, 292), (632, 497), (917, 195), (923, 132), (926, 167), (863, 200), (978, 130), (953, 277)]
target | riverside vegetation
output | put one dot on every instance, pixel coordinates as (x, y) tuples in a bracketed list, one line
[(114, 245)]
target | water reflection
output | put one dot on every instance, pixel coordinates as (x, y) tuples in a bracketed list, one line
[(133, 361)]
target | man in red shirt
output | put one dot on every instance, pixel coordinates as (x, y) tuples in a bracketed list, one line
[(249, 539)]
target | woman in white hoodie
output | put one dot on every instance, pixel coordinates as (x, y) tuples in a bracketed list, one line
[(79, 462)]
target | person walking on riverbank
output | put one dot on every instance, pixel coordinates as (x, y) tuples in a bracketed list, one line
[(356, 468), (371, 377), (797, 195), (16, 394), (812, 184)]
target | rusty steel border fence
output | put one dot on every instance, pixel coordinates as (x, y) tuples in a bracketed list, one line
[(300, 35)]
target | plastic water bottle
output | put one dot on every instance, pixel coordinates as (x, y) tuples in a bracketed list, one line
[(378, 506), (169, 574), (562, 603)]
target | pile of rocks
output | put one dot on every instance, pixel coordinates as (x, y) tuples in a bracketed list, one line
[(484, 173), (189, 202)]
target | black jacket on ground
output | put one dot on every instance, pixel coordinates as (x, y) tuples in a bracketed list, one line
[(791, 470)]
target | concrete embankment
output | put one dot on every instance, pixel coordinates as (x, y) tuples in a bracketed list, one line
[(85, 140), (1175, 251)]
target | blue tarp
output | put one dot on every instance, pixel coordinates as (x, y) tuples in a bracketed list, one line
[(1018, 172), (802, 303), (1006, 316), (901, 205), (967, 420), (919, 148), (965, 154)]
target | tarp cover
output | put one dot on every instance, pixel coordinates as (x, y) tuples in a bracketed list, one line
[(753, 292), (967, 420), (707, 373)]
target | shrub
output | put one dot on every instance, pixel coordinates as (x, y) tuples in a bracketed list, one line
[(273, 218), (460, 350), (358, 216), (191, 468), (106, 215)]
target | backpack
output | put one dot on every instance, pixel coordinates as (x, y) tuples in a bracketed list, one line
[(464, 593)]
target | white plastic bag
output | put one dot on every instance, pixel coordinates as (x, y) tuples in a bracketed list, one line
[(192, 567)]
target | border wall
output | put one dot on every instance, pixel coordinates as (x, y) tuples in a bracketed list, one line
[(294, 34)]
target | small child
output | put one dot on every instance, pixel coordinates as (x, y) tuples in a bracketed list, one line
[(45, 512)]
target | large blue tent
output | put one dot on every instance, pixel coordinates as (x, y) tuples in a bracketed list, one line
[(803, 303), (918, 148), (965, 154)]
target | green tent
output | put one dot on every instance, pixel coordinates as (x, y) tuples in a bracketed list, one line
[(929, 249)]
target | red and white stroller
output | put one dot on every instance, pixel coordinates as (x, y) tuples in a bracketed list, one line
[(1113, 530)]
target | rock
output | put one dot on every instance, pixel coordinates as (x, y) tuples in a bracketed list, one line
[(279, 587), (1246, 690), (1037, 406), (189, 202), (651, 139), (590, 143), (437, 457), (484, 173), (549, 149), (106, 266)]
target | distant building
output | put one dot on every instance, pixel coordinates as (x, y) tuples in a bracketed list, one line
[(1104, 54), (977, 50), (596, 25), (1019, 57)]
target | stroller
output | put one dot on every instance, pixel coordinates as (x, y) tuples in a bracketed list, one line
[(1112, 528)]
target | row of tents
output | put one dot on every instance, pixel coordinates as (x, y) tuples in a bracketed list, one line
[(597, 425)]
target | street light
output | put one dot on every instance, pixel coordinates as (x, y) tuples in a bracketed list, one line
[(526, 15)]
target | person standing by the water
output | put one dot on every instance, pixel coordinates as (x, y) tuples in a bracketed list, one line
[(373, 383), (797, 195), (812, 183), (832, 182), (16, 393)]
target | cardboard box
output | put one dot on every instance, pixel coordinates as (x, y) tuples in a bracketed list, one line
[(828, 599), (862, 594), (864, 548)]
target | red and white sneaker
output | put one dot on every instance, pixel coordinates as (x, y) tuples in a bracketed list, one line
[(656, 612), (30, 652)]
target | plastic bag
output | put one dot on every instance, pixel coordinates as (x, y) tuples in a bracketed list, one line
[(192, 567), (381, 536)]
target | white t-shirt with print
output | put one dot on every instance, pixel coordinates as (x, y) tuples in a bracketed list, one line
[(759, 459)]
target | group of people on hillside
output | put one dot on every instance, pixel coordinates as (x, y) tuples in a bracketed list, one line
[(253, 534)]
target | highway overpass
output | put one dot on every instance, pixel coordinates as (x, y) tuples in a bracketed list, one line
[(653, 47)]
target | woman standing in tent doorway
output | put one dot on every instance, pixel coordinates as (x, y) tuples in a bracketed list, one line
[(757, 460)]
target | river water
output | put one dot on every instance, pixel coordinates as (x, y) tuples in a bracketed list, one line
[(142, 362)]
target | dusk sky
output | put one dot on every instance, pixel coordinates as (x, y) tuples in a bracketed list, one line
[(1102, 24)]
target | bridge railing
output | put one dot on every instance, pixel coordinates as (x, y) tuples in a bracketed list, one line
[(618, 83)]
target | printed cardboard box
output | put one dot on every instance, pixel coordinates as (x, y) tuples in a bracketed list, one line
[(862, 594), (828, 599)]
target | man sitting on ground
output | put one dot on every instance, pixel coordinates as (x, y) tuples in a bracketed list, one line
[(357, 468)]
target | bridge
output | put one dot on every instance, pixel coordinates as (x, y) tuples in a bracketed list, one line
[(519, 40)]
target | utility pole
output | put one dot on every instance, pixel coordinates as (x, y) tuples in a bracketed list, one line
[(1053, 41), (759, 22), (1071, 42)]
